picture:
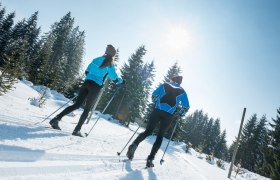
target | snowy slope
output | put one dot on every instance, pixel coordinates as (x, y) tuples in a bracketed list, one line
[(29, 151)]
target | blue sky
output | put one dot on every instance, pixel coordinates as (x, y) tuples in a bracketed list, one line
[(228, 50)]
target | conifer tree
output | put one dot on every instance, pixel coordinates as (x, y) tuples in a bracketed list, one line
[(74, 51), (25, 36), (34, 46), (261, 141), (8, 63), (174, 70), (208, 142), (131, 73), (247, 144), (147, 75), (42, 76), (231, 150), (60, 32), (194, 128), (221, 150), (271, 153), (60, 55)]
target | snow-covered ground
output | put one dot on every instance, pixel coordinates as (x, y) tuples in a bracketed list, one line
[(29, 151)]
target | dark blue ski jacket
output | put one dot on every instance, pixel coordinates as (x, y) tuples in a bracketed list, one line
[(168, 96), (99, 75)]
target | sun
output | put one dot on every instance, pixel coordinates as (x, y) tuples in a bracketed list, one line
[(178, 38)]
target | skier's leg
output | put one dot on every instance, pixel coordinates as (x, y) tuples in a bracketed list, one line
[(83, 92), (153, 120), (93, 90), (165, 120), (80, 99)]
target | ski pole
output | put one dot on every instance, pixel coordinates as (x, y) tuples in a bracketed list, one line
[(104, 110), (119, 153), (56, 111), (161, 161)]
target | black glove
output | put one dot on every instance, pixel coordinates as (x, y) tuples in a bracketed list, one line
[(183, 111), (86, 72)]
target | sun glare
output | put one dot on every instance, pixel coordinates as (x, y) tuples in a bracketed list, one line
[(178, 38)]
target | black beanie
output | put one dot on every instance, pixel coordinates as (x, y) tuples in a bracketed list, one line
[(177, 79)]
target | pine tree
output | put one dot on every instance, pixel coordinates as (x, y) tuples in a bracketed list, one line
[(208, 140), (60, 31), (25, 36), (261, 141), (8, 64), (174, 70), (147, 75), (74, 51), (194, 128), (231, 150), (60, 55), (34, 46), (42, 76), (271, 153), (36, 63), (213, 141), (133, 100), (247, 144), (221, 150)]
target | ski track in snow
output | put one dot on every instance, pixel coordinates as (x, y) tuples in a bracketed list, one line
[(46, 167)]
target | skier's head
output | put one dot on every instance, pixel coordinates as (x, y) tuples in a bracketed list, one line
[(109, 56), (177, 79), (110, 50)]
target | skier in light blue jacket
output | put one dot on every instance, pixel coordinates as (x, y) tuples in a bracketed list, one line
[(96, 74)]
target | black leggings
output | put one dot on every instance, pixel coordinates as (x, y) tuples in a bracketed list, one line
[(165, 119), (88, 92)]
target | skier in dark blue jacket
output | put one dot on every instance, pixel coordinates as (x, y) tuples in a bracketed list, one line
[(166, 98), (96, 74)]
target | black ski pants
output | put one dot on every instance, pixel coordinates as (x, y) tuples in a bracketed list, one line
[(87, 93), (157, 116)]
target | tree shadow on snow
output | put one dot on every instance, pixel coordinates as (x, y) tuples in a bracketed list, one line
[(17, 132), (19, 154)]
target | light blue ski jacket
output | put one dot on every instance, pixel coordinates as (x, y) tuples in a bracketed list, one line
[(99, 75), (169, 95)]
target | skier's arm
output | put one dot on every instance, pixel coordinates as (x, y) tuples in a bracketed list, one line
[(185, 101), (90, 66), (113, 75), (156, 93), (185, 104)]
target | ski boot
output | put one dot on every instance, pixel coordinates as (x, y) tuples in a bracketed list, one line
[(131, 150), (149, 162), (77, 133), (54, 123)]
